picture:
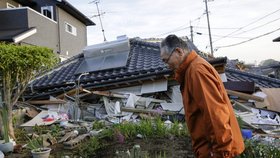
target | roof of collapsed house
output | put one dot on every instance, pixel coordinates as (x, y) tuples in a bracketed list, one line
[(141, 63)]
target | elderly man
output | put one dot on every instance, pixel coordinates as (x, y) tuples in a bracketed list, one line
[(208, 112)]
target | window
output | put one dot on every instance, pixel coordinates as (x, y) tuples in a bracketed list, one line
[(10, 5), (47, 11), (70, 29)]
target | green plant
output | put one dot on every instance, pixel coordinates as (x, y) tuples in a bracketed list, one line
[(240, 122), (35, 144), (160, 128), (40, 129), (4, 115), (21, 134), (55, 131), (98, 125), (175, 129), (127, 129), (107, 133), (255, 149), (145, 128), (89, 148)]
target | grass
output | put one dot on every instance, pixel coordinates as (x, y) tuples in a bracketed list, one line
[(89, 148), (256, 149), (145, 128)]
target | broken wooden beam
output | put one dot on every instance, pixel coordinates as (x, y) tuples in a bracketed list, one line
[(44, 102), (240, 86), (245, 96), (269, 135), (121, 96), (163, 112), (265, 124), (241, 106), (109, 94)]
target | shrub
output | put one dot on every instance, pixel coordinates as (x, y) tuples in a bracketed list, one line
[(255, 149)]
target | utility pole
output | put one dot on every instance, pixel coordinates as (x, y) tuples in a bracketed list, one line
[(209, 30), (191, 27), (99, 16)]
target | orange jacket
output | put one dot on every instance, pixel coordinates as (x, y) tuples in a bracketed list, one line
[(208, 112)]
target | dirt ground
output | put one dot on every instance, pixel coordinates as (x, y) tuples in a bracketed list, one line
[(151, 148), (171, 148)]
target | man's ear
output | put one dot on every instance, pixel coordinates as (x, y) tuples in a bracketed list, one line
[(180, 51)]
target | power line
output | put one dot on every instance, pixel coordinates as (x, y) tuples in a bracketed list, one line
[(217, 28), (180, 27), (199, 33), (235, 44), (247, 25), (258, 26), (172, 31)]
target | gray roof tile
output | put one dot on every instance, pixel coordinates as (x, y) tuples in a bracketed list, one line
[(144, 63)]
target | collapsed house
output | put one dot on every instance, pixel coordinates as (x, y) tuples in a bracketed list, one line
[(120, 79)]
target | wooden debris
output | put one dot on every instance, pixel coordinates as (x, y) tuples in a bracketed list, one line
[(241, 106), (240, 86), (123, 96), (245, 96), (269, 135), (148, 111), (265, 124), (67, 136), (31, 112), (44, 102)]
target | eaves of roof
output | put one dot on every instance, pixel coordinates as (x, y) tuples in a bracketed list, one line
[(75, 12), (16, 35), (29, 3)]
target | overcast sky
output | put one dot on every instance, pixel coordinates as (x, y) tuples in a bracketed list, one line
[(239, 20)]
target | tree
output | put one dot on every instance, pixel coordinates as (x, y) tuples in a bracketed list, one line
[(18, 66), (268, 62)]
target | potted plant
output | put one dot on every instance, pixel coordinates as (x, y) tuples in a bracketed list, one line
[(6, 146), (37, 148)]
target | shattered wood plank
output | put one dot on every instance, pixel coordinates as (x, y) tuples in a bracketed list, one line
[(265, 124), (242, 106), (269, 135), (44, 102), (240, 86), (33, 106), (69, 93), (148, 111), (109, 94), (68, 135), (245, 96), (118, 95)]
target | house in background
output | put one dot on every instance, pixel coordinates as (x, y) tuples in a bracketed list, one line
[(52, 23)]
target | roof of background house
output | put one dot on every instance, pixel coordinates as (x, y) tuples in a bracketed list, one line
[(26, 2), (12, 35), (144, 64), (74, 12), (65, 6)]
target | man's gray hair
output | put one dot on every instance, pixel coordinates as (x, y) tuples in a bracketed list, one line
[(171, 42)]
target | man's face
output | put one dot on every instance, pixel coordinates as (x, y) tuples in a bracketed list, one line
[(172, 59)]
